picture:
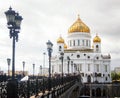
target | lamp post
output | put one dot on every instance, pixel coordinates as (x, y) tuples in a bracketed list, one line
[(43, 63), (40, 70), (72, 66), (62, 56), (49, 48), (68, 58), (33, 70), (23, 67), (13, 23), (8, 61)]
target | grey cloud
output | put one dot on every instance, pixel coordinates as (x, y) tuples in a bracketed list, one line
[(47, 19)]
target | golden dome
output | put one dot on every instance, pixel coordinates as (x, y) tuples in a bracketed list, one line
[(79, 26), (65, 46), (60, 40), (97, 39)]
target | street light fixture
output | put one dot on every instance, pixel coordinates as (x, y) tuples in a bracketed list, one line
[(68, 58), (8, 61), (49, 48), (13, 22), (62, 57), (40, 70), (23, 67)]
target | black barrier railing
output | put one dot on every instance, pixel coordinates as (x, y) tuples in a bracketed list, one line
[(56, 92), (37, 87), (3, 91)]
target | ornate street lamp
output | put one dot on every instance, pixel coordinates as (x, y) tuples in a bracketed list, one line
[(23, 67), (62, 57), (49, 48), (68, 58), (13, 23), (8, 61)]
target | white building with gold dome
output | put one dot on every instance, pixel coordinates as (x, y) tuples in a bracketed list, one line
[(80, 56)]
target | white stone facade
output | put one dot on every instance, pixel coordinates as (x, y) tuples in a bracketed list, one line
[(84, 58)]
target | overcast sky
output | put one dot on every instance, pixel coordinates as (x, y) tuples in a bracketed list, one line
[(45, 20)]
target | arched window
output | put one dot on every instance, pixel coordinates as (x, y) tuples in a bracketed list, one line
[(105, 68), (97, 48), (97, 67), (80, 67), (73, 42), (83, 42), (60, 48), (88, 67), (70, 43), (86, 42), (89, 42), (89, 79), (78, 42), (106, 78)]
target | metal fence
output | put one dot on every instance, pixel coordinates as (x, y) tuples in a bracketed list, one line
[(36, 87)]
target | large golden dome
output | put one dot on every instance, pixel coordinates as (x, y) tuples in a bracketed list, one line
[(79, 26), (96, 39), (60, 40)]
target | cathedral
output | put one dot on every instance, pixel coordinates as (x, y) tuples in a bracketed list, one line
[(81, 55)]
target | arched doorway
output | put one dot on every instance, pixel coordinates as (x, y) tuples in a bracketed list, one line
[(93, 92), (85, 91), (98, 92), (89, 79), (104, 92)]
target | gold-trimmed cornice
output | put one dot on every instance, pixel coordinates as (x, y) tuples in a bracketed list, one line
[(80, 50)]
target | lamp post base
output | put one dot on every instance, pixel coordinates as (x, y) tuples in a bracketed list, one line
[(12, 89)]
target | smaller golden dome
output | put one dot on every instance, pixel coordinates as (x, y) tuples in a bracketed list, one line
[(65, 46), (60, 40), (96, 39)]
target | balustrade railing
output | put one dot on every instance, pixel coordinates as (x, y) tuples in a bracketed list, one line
[(38, 87)]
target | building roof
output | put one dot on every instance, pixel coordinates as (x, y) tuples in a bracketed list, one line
[(79, 26)]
